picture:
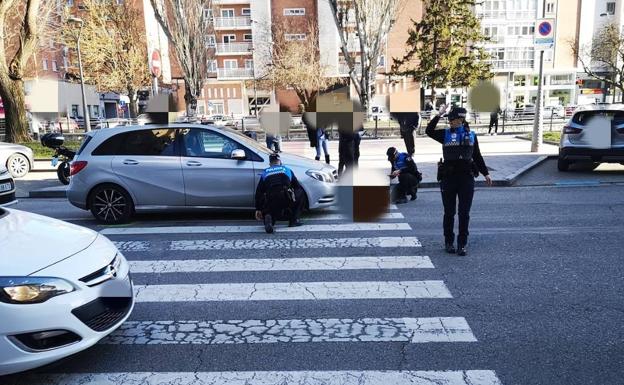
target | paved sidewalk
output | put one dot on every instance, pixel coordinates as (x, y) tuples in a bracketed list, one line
[(506, 156)]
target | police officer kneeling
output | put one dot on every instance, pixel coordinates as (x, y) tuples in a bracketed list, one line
[(278, 195), (462, 164), (404, 167)]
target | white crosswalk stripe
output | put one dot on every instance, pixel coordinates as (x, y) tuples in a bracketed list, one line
[(256, 229), (273, 243), (347, 377), (281, 264), (280, 291), (413, 330)]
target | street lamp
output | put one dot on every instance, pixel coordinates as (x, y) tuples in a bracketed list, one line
[(85, 112)]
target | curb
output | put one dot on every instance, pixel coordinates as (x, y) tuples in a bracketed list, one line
[(50, 192), (511, 179)]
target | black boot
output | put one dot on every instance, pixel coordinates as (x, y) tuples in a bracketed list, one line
[(461, 250), (268, 224), (317, 158), (413, 195), (449, 248), (327, 159)]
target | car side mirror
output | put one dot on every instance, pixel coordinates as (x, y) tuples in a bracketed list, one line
[(239, 154)]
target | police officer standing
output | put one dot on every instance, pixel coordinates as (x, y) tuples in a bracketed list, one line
[(456, 174), (278, 195), (404, 167)]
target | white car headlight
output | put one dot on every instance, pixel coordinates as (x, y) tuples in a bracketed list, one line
[(320, 176), (26, 290)]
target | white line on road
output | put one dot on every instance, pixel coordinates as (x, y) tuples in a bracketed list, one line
[(280, 291), (337, 217), (413, 330), (256, 229), (281, 264), (338, 208), (421, 377), (285, 244)]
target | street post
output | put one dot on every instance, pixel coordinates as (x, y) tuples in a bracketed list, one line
[(544, 39)]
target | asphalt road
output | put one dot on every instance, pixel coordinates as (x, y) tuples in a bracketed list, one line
[(540, 291)]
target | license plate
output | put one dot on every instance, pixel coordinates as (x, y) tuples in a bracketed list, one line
[(54, 161), (5, 187)]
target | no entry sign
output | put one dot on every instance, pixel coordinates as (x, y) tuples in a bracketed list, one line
[(544, 33)]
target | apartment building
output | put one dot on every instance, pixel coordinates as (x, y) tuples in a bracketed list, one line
[(595, 15), (515, 59)]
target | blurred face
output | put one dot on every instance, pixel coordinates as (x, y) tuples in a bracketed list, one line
[(456, 123)]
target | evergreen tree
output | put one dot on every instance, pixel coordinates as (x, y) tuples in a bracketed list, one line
[(443, 48)]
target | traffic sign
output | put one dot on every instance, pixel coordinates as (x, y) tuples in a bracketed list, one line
[(544, 33), (155, 66)]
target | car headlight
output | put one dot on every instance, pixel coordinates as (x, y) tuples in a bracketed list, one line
[(320, 176), (26, 290)]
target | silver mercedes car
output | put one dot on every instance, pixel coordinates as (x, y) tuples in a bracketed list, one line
[(18, 159), (180, 167)]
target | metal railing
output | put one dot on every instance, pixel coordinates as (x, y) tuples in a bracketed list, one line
[(234, 47), (234, 73), (232, 22)]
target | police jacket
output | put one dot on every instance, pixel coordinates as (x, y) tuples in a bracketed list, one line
[(274, 177), (460, 146), (404, 163)]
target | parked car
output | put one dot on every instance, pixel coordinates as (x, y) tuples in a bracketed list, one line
[(594, 134), (111, 123), (179, 167), (63, 125), (62, 289), (7, 188), (18, 159), (555, 112)]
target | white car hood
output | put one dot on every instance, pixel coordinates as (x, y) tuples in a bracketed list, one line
[(31, 242), (291, 160)]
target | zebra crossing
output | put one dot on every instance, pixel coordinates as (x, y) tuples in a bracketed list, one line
[(177, 268)]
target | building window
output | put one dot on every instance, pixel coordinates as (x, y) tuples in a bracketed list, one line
[(227, 92), (246, 12), (294, 11), (212, 41), (96, 111), (201, 109), (217, 108), (229, 38), (550, 7), (207, 13), (212, 66), (210, 93), (45, 64), (54, 66), (74, 110), (247, 37), (221, 93), (234, 92), (249, 63), (382, 61), (294, 36), (70, 3), (227, 13), (230, 64), (611, 8)]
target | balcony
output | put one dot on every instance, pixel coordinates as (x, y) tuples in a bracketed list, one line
[(512, 64), (343, 69), (230, 2), (240, 22), (234, 48), (234, 73)]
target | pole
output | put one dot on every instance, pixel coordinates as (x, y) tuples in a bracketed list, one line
[(85, 112), (538, 122), (154, 85)]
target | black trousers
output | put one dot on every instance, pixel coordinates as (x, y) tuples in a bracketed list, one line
[(456, 188), (281, 208), (346, 155), (493, 123), (408, 138), (408, 185)]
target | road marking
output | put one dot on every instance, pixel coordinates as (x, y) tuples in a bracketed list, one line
[(338, 208), (285, 244), (337, 217), (421, 377), (413, 330), (281, 264), (330, 228), (280, 291), (133, 245)]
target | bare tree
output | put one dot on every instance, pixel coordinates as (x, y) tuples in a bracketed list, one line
[(113, 50), (371, 20), (604, 59), (22, 22), (296, 64), (187, 24)]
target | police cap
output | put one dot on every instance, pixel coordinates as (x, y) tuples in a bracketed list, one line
[(457, 113), (390, 153), (274, 158)]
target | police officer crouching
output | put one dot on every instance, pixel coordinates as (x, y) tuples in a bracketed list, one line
[(404, 167), (278, 195), (462, 164)]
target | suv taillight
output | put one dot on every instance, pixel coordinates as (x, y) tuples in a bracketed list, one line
[(77, 166), (571, 130)]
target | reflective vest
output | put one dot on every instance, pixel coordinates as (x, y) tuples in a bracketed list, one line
[(401, 160), (277, 171), (458, 144)]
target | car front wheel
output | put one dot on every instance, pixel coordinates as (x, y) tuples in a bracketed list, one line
[(562, 164), (111, 204), (18, 165)]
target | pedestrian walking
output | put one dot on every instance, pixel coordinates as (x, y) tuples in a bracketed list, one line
[(322, 137), (461, 164), (403, 167), (408, 121), (278, 195), (346, 149), (494, 121), (273, 142)]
